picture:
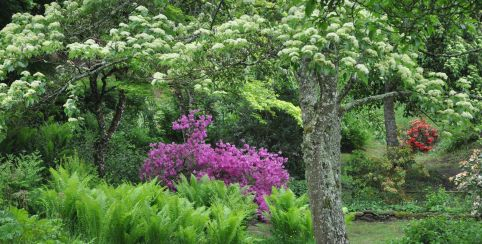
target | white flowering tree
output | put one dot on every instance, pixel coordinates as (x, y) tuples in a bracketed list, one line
[(92, 54), (326, 52), (326, 60), (446, 36)]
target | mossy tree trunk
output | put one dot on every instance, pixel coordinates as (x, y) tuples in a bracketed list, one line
[(391, 131), (322, 110), (321, 153)]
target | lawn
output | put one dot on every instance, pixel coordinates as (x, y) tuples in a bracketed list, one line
[(361, 232)]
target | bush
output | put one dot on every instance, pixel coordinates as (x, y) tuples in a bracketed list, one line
[(52, 140), (290, 217), (443, 230), (460, 137), (124, 159), (17, 227), (443, 202), (387, 174), (145, 213), (298, 187), (437, 200), (247, 166), (19, 175), (353, 136), (421, 136), (470, 180)]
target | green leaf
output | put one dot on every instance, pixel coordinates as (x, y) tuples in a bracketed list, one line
[(309, 7)]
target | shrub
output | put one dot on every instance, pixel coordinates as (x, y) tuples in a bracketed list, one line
[(353, 136), (123, 159), (460, 137), (387, 174), (17, 227), (205, 192), (145, 213), (421, 136), (247, 166), (470, 180), (52, 140), (19, 175), (290, 217), (298, 187), (437, 200), (443, 230)]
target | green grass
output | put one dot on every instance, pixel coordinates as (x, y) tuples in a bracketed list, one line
[(361, 232)]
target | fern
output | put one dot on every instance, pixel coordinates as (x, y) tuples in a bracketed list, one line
[(19, 176), (54, 140), (206, 192), (147, 213), (226, 226), (290, 217)]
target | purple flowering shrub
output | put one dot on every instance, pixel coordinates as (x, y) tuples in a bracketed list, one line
[(257, 169)]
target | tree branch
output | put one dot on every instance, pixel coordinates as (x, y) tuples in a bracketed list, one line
[(347, 88), (359, 102), (97, 68), (215, 14)]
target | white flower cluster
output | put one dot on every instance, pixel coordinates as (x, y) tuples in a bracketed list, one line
[(87, 50), (143, 37), (28, 36), (158, 78), (24, 91), (241, 25)]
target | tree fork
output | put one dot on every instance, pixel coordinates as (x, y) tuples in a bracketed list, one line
[(104, 134)]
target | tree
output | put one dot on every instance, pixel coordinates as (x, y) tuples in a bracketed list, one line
[(91, 58), (326, 52), (325, 59), (429, 27), (420, 26), (10, 7)]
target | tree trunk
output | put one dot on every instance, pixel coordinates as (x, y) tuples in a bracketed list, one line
[(389, 116), (104, 135), (100, 149), (321, 154)]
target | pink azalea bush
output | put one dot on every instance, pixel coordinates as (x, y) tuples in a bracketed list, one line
[(257, 169)]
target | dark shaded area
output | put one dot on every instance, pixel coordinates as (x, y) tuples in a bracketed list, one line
[(9, 7)]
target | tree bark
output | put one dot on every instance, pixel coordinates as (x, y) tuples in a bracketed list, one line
[(389, 117), (321, 153)]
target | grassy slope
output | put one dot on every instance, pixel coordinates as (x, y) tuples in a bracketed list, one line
[(440, 164)]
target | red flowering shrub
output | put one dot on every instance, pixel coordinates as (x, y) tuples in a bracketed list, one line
[(421, 136)]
